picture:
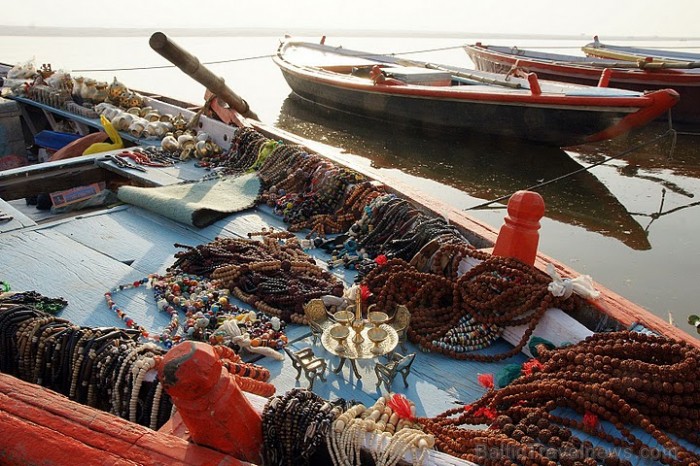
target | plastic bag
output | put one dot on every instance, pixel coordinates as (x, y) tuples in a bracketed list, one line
[(25, 70)]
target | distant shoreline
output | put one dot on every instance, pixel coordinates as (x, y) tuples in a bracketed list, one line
[(25, 31)]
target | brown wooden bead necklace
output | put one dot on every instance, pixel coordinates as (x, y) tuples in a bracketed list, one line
[(631, 369), (497, 292)]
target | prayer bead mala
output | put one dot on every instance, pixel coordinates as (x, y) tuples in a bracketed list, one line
[(295, 425), (241, 156), (203, 259), (206, 306), (278, 165), (360, 195), (458, 316), (625, 378), (279, 288)]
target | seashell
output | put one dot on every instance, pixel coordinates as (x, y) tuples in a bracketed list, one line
[(186, 141), (152, 116), (179, 122), (122, 121), (186, 153), (137, 126), (134, 111), (203, 149), (202, 136), (166, 117), (170, 144), (146, 110), (156, 129), (115, 89), (110, 112)]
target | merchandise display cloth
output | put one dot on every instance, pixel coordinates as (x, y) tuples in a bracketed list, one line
[(198, 203)]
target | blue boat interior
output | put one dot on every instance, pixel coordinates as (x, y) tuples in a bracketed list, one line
[(81, 257)]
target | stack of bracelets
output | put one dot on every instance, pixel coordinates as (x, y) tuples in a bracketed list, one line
[(105, 368), (295, 427)]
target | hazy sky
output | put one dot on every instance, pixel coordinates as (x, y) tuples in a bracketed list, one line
[(673, 18)]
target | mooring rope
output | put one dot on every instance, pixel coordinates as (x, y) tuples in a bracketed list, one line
[(256, 57), (140, 68)]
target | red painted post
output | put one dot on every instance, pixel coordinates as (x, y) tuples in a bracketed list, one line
[(212, 406), (605, 78), (519, 235)]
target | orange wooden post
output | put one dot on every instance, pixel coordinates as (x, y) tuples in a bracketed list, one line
[(213, 407), (519, 235)]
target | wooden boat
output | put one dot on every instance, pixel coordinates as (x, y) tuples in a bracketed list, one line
[(614, 71), (80, 255), (460, 100), (644, 58)]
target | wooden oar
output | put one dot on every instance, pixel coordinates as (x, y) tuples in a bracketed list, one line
[(193, 68)]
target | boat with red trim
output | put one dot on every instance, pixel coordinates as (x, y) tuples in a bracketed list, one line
[(603, 69), (459, 100)]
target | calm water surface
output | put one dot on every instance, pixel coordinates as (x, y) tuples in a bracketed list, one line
[(631, 223)]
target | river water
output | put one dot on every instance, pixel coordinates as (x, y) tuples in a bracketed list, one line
[(631, 223)]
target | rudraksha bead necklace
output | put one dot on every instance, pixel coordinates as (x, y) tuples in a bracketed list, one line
[(625, 378), (455, 316)]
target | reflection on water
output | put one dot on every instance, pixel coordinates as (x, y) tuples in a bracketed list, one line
[(485, 167)]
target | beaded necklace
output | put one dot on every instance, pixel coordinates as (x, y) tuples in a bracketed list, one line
[(625, 378), (200, 299), (206, 307), (32, 298)]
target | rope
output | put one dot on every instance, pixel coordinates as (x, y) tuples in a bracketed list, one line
[(233, 60), (138, 68), (670, 132)]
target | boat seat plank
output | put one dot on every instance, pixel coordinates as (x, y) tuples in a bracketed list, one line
[(91, 122), (55, 265), (144, 242), (48, 428), (18, 221)]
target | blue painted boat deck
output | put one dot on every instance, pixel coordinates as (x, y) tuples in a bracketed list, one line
[(82, 257)]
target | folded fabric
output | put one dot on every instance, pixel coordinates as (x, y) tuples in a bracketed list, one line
[(198, 203)]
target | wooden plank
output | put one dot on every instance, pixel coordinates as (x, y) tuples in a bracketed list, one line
[(55, 265), (146, 242), (18, 221)]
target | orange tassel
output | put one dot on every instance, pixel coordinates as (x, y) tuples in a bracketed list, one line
[(533, 365), (486, 380), (590, 420), (401, 406)]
